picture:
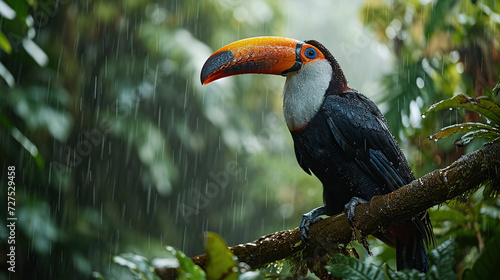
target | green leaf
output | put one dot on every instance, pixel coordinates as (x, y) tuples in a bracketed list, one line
[(4, 43), (490, 211), (97, 275), (187, 270), (466, 138), (404, 274), (352, 268), (20, 7), (494, 93), (7, 76), (137, 264), (487, 264), (486, 103), (253, 275), (481, 105), (26, 143), (37, 218), (7, 12), (220, 260), (22, 140), (438, 15), (39, 110), (464, 128), (447, 213), (442, 261)]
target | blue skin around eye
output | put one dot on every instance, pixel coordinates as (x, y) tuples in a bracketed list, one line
[(310, 53)]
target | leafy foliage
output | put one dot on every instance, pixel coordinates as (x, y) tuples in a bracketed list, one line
[(220, 261), (481, 105), (441, 267), (352, 268), (186, 269), (486, 265), (137, 264), (442, 49), (16, 36), (437, 18)]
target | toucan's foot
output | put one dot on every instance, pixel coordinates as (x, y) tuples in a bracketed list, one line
[(308, 219), (351, 206), (349, 209)]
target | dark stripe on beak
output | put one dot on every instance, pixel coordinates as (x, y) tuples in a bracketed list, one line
[(298, 61)]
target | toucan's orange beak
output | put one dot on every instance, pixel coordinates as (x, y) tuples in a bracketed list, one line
[(262, 55)]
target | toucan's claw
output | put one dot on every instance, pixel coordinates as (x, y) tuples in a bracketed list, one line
[(308, 219), (350, 207)]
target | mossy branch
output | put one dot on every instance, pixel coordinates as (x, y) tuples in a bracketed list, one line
[(381, 212)]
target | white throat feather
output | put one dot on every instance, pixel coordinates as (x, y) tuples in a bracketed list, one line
[(304, 92)]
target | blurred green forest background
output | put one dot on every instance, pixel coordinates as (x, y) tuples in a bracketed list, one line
[(118, 148)]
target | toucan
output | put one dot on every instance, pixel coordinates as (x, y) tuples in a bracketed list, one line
[(339, 134)]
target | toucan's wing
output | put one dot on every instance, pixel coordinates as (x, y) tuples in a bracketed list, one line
[(363, 134)]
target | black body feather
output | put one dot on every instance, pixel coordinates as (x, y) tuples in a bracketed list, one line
[(349, 147)]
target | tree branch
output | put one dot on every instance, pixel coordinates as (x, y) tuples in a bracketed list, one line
[(381, 212)]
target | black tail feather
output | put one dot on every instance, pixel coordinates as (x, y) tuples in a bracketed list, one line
[(411, 255)]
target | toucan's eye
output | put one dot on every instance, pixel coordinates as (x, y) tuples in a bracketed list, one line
[(310, 53)]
